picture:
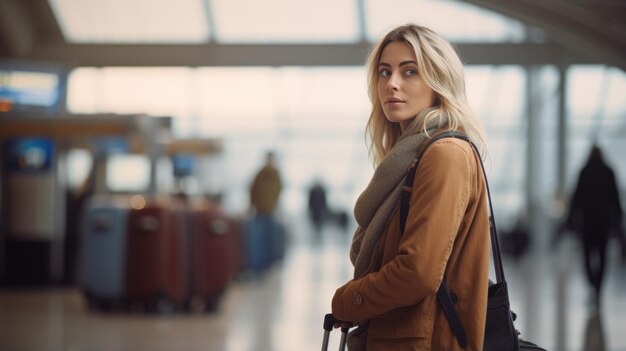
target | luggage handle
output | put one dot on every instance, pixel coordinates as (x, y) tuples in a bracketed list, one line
[(148, 223), (218, 227), (329, 322), (101, 224)]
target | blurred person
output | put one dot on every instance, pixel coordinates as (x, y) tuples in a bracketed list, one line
[(318, 207), (265, 235), (266, 187), (417, 90), (515, 242), (594, 212)]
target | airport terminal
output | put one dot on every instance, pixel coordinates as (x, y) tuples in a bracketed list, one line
[(182, 175)]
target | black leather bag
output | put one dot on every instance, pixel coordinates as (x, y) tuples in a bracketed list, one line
[(500, 332)]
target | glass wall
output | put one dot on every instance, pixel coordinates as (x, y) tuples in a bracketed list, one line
[(314, 117)]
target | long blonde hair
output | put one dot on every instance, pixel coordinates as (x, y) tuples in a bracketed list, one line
[(440, 67)]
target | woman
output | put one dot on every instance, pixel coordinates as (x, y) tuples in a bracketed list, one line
[(417, 90)]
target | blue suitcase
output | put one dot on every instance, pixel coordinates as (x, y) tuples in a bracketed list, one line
[(257, 242), (278, 241), (104, 250)]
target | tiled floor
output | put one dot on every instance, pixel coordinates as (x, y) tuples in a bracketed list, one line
[(284, 309)]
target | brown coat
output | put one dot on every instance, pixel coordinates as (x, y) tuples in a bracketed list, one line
[(265, 190), (447, 231)]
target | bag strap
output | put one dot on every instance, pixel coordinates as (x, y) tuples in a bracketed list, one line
[(443, 294)]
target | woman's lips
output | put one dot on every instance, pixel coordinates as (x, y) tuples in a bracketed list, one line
[(393, 99), (393, 102)]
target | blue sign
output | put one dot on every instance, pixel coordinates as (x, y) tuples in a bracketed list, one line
[(29, 88), (183, 165), (29, 155)]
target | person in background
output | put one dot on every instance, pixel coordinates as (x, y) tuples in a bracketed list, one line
[(265, 235), (266, 187), (318, 207), (417, 90), (595, 211)]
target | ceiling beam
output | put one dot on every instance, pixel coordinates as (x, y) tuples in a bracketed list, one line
[(283, 54), (16, 32), (571, 25), (44, 21)]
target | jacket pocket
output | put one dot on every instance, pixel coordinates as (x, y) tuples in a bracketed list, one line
[(404, 322)]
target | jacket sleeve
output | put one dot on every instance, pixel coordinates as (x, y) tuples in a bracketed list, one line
[(439, 198)]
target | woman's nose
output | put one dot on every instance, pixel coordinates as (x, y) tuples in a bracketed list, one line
[(392, 83)]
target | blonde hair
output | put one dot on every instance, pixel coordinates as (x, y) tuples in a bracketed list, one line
[(440, 67)]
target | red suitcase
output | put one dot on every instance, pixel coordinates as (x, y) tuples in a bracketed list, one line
[(216, 252), (157, 269)]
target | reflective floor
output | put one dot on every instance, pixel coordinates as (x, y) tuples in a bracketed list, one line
[(283, 310)]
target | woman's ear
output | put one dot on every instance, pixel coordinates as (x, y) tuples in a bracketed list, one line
[(437, 101)]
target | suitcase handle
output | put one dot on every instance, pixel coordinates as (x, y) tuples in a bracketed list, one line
[(101, 224), (148, 223), (218, 227), (329, 322)]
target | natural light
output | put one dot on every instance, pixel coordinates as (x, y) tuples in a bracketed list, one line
[(122, 21), (274, 21)]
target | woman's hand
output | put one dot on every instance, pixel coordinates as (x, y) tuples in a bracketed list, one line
[(345, 325)]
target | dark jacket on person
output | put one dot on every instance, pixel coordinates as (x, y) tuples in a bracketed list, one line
[(595, 208)]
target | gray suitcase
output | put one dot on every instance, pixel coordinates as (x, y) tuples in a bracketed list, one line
[(104, 242)]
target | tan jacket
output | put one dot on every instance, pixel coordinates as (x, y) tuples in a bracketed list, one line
[(265, 190), (447, 231)]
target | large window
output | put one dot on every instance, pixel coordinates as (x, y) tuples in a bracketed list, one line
[(596, 105), (455, 20), (285, 21), (123, 21), (314, 117), (273, 21)]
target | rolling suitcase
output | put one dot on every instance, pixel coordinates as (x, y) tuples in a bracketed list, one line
[(215, 248), (257, 244), (278, 240), (104, 250), (157, 257), (329, 322)]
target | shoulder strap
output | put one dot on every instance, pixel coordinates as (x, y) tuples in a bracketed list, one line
[(443, 294)]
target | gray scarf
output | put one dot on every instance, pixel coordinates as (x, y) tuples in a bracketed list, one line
[(373, 211)]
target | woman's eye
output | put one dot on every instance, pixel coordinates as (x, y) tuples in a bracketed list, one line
[(384, 73), (410, 72)]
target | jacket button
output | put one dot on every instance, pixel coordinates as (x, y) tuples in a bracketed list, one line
[(357, 298)]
